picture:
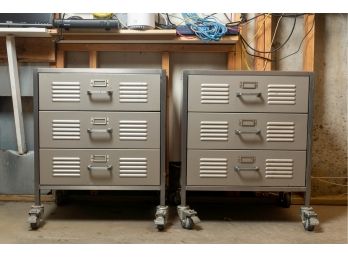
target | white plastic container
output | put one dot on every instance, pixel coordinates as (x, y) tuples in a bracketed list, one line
[(141, 21)]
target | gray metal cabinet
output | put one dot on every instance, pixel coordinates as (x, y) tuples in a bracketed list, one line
[(246, 131), (100, 129)]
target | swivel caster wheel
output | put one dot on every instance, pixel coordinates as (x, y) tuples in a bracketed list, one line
[(34, 222), (309, 218), (35, 216), (187, 223), (308, 226), (161, 217), (284, 199), (160, 227)]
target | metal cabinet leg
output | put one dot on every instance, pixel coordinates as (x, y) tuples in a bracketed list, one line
[(188, 217)]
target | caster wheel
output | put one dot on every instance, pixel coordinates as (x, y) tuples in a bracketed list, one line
[(160, 227), (34, 226), (308, 225), (187, 224), (34, 222), (284, 199)]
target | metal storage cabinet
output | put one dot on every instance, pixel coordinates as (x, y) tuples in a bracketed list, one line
[(99, 129), (247, 131)]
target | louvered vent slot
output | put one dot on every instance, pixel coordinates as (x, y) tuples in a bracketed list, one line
[(133, 92), (215, 93), (133, 130), (279, 168), (280, 131), (66, 129), (66, 91), (214, 131), (133, 167), (66, 166), (213, 167), (281, 94)]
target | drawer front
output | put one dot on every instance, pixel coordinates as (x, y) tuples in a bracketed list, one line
[(92, 91), (99, 129), (80, 167), (248, 93), (247, 131), (246, 168)]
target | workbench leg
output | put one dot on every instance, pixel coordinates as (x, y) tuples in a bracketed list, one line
[(16, 93)]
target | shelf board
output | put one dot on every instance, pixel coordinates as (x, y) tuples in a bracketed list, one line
[(165, 36), (26, 32)]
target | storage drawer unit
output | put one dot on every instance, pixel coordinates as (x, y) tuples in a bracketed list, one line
[(100, 129), (246, 131)]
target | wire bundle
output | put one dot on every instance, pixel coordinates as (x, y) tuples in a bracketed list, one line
[(207, 29)]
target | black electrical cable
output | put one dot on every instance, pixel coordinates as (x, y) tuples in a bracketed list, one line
[(282, 58), (237, 23), (299, 47), (60, 28), (243, 20), (257, 56), (288, 15), (276, 49), (210, 15), (229, 20), (170, 20)]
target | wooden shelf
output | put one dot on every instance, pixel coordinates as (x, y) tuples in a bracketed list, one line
[(87, 36), (25, 32)]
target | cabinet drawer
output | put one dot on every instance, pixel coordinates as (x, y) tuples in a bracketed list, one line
[(246, 168), (99, 129), (99, 167), (247, 131), (94, 91), (232, 93)]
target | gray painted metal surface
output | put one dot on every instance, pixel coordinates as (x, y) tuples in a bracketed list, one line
[(85, 129), (7, 131), (44, 135), (188, 166), (25, 78), (246, 168), (58, 166), (99, 167), (244, 93), (99, 91), (16, 172), (247, 131)]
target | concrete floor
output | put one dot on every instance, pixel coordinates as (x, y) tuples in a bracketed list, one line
[(127, 221)]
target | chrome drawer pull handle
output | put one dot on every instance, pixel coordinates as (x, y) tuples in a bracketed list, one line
[(240, 132), (91, 167), (239, 94), (108, 130), (237, 168), (91, 92)]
